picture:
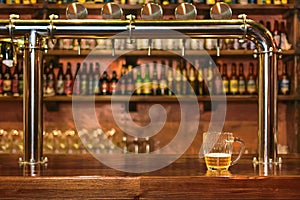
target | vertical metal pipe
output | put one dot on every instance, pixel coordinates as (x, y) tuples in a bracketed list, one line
[(33, 110), (274, 108), (267, 107)]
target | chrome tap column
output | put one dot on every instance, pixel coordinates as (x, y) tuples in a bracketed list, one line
[(33, 106)]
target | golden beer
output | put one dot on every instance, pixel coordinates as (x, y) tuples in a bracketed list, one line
[(218, 161)]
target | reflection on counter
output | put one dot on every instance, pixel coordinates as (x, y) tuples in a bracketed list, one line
[(72, 142)]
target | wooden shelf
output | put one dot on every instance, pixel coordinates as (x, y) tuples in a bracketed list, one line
[(141, 99)]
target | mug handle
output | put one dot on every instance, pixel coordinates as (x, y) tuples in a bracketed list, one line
[(242, 148)]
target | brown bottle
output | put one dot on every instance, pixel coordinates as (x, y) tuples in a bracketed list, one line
[(50, 88), (163, 82), (284, 82), (7, 82), (60, 89), (192, 80), (242, 80), (276, 34), (155, 90), (113, 83), (76, 85), (225, 80), (251, 80), (233, 82), (68, 80), (15, 82), (218, 88)]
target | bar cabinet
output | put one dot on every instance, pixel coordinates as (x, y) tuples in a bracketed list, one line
[(65, 174)]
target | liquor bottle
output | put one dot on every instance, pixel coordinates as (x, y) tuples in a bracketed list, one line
[(233, 82), (284, 43), (276, 34), (205, 82), (192, 80), (146, 88), (138, 82), (60, 89), (50, 88), (163, 82), (122, 81), (21, 79), (251, 80), (170, 79), (284, 82), (90, 78), (184, 78), (130, 84), (209, 77), (7, 82), (15, 82), (242, 80), (225, 80), (76, 85), (155, 90), (217, 86), (104, 83), (68, 80), (83, 80), (46, 70), (96, 80), (1, 80), (178, 80), (113, 83), (200, 81)]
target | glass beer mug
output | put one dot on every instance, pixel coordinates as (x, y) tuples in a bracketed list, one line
[(217, 149)]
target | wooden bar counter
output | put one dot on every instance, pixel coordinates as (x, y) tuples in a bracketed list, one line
[(84, 177)]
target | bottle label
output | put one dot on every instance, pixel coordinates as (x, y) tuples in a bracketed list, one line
[(233, 86), (83, 87), (285, 86), (7, 85), (15, 86), (251, 87), (68, 87), (113, 87), (163, 84), (242, 86), (96, 87), (147, 88), (138, 88), (104, 88), (50, 88), (76, 89), (277, 40), (218, 86), (225, 86), (60, 87), (20, 86)]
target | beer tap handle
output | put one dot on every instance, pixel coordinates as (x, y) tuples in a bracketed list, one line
[(149, 47), (183, 48), (112, 47), (79, 47)]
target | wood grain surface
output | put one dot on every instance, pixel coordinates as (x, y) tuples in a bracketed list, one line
[(84, 177)]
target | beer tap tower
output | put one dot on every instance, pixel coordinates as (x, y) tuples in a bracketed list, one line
[(35, 32)]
